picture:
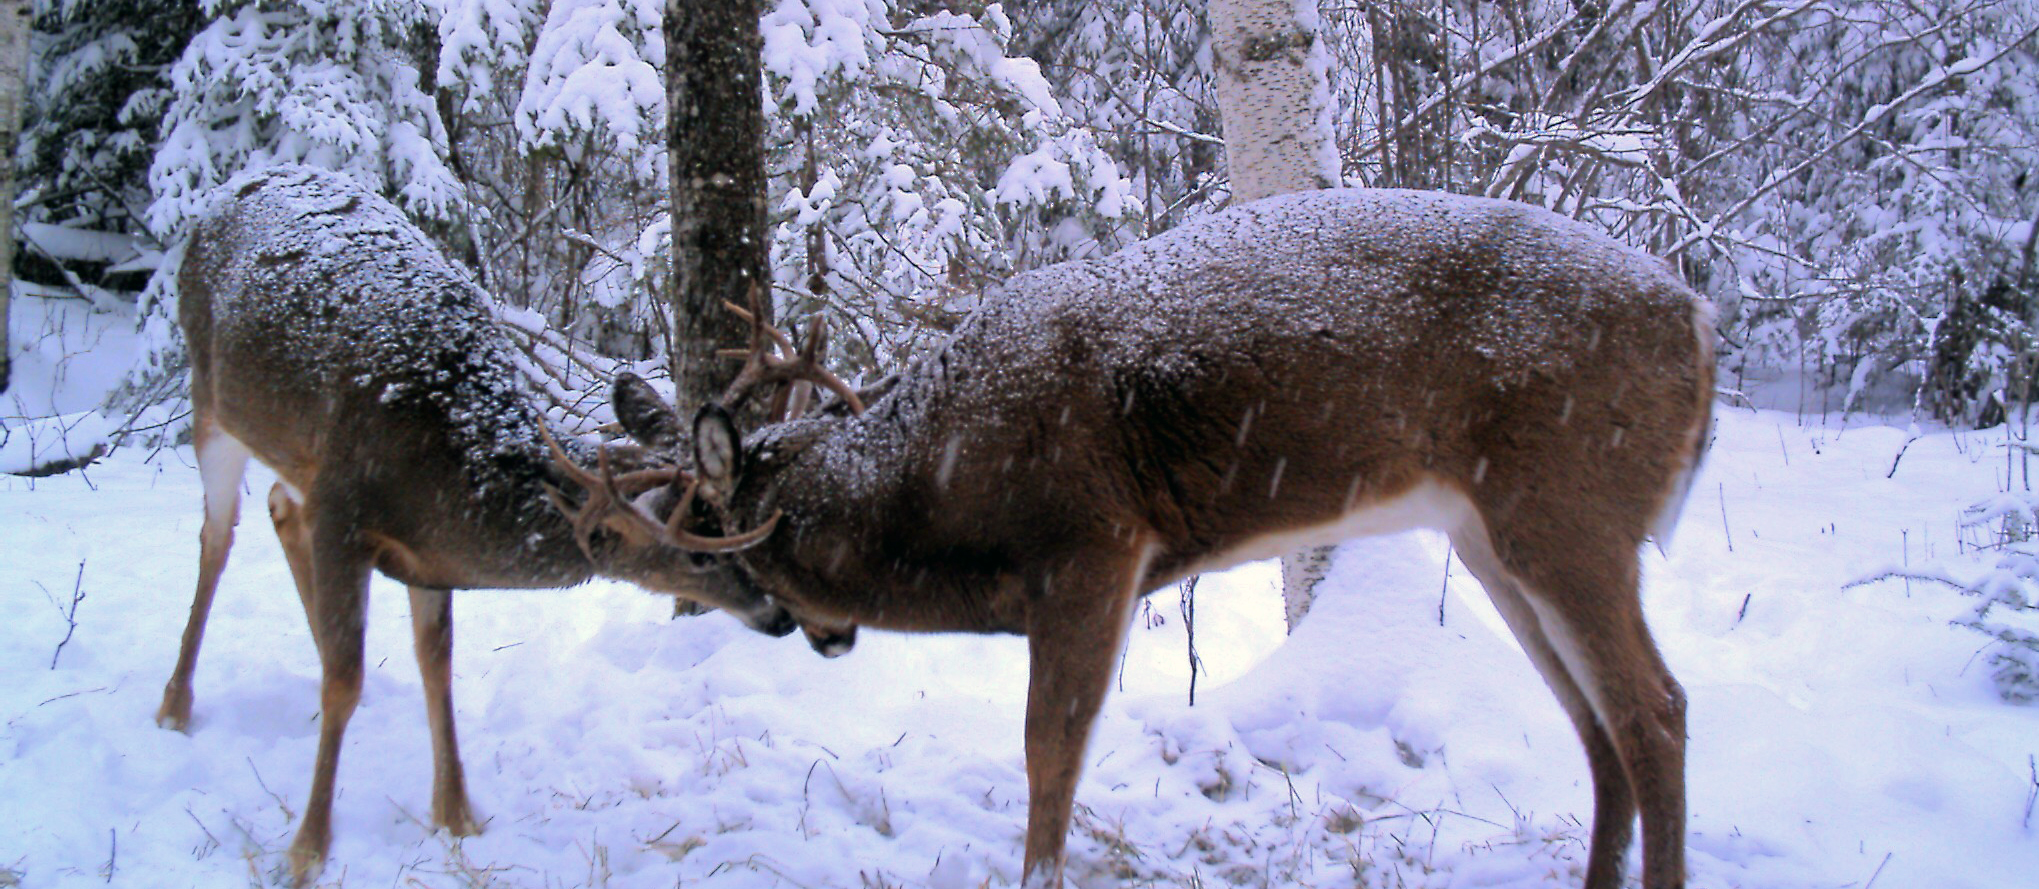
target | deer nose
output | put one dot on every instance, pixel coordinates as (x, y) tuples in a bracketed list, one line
[(832, 642), (778, 623)]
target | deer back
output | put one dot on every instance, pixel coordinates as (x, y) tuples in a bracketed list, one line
[(333, 339)]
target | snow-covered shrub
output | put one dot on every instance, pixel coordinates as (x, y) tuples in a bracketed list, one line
[(916, 162), (2008, 593), (1999, 567)]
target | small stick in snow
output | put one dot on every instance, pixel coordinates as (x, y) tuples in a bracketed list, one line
[(213, 841), (112, 854), (1188, 602), (1900, 456), (1444, 588), (288, 815), (1744, 612), (1722, 490), (2032, 789), (71, 614), (1879, 871), (1905, 552)]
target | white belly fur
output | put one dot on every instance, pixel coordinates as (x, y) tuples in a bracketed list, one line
[(1428, 504)]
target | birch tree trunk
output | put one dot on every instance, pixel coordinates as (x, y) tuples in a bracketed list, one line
[(715, 142), (14, 22), (1274, 97)]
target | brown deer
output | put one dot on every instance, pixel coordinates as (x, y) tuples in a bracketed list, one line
[(1298, 370), (329, 339)]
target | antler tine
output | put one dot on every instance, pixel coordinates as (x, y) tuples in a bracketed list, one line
[(758, 328), (605, 499), (773, 358), (811, 357), (758, 360), (586, 517)]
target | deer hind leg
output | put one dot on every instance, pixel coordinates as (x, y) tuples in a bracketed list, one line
[(287, 515), (221, 462), (432, 635), (1614, 806), (1073, 637), (1576, 608), (339, 603)]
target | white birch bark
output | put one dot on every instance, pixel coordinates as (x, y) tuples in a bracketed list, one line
[(14, 22), (1274, 96)]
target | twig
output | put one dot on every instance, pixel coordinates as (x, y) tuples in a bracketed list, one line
[(288, 815), (112, 854), (71, 615), (1900, 456), (1879, 870), (1189, 631), (204, 850), (2031, 789), (1724, 530), (1444, 588)]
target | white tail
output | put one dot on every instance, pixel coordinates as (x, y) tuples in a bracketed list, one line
[(1299, 370), (330, 340)]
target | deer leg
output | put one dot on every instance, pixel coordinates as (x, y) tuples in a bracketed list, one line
[(1584, 595), (221, 462), (339, 604), (287, 515), (1073, 638), (432, 635), (1614, 806)]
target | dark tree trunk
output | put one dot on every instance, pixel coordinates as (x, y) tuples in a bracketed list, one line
[(716, 141)]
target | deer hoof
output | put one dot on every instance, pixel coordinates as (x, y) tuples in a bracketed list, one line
[(458, 820), (305, 866), (175, 714)]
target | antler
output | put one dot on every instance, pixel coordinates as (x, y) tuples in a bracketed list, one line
[(761, 365), (606, 498)]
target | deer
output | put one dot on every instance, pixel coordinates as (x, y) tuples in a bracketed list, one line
[(331, 340), (1297, 370)]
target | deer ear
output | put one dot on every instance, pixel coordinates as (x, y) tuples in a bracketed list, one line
[(644, 414), (718, 449)]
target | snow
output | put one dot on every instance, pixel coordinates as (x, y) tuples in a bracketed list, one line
[(67, 357), (595, 68), (1838, 734)]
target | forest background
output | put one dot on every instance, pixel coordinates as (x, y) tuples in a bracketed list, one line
[(1849, 180)]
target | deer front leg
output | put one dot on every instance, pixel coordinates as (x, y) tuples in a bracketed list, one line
[(1073, 638), (432, 635)]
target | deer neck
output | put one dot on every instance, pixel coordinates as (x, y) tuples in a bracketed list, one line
[(489, 522)]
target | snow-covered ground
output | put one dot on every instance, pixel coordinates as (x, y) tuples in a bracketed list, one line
[(1839, 736)]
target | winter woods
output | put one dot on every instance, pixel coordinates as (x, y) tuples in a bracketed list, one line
[(1848, 181)]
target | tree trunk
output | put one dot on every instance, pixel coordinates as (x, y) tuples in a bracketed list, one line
[(716, 142), (14, 25), (1274, 96)]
